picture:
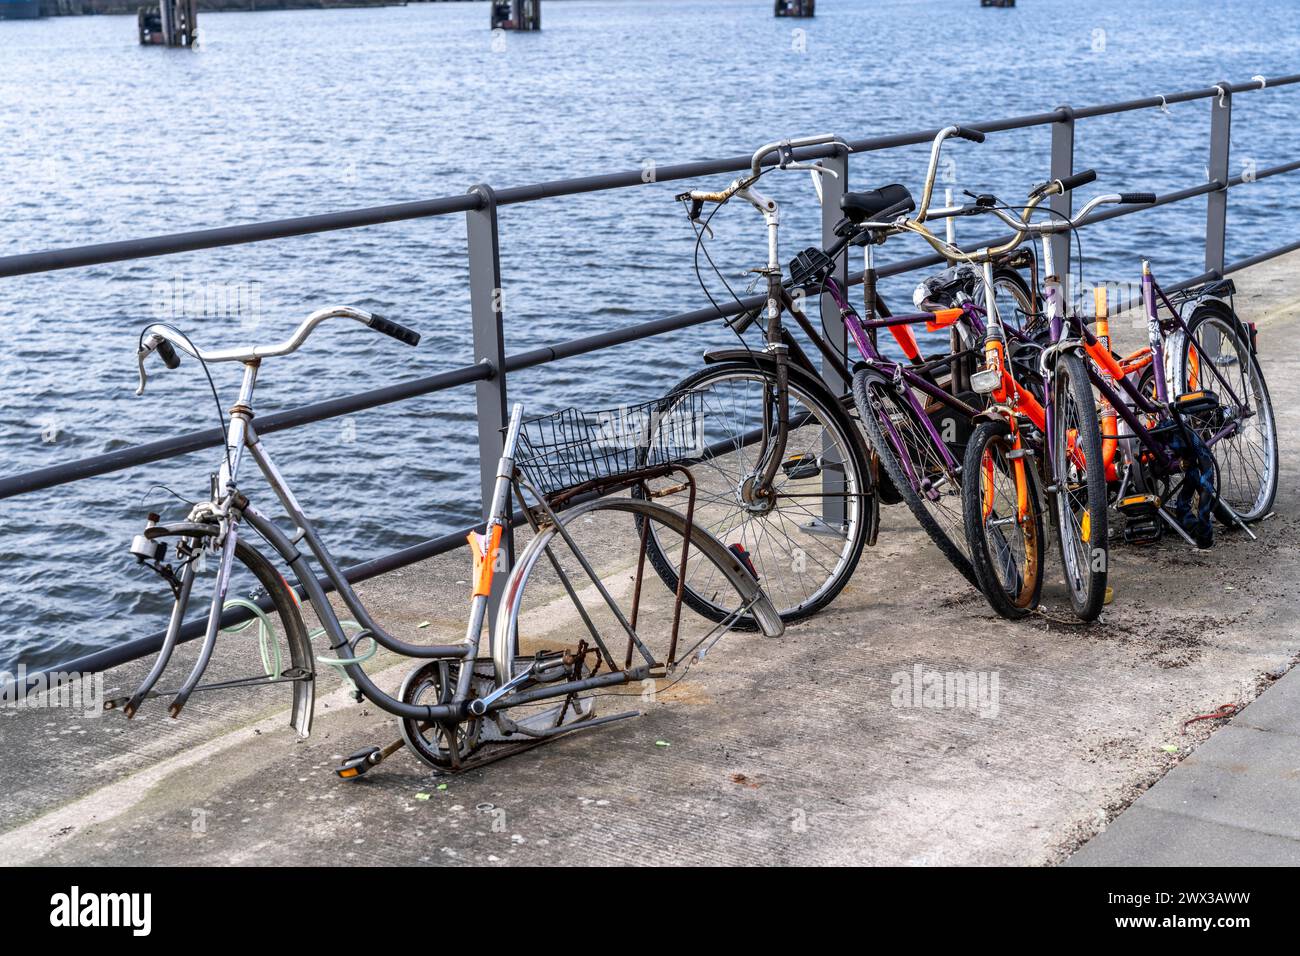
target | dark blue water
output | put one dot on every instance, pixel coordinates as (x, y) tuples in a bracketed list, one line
[(287, 114)]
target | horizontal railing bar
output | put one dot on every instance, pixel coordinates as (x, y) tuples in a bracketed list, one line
[(100, 253), (54, 475), (1260, 257), (97, 465), (132, 650), (81, 256)]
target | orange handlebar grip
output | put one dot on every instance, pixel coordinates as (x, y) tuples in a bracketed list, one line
[(484, 549)]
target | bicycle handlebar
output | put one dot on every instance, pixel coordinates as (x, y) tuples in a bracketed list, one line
[(785, 148), (165, 340)]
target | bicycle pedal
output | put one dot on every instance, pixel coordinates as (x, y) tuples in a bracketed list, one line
[(743, 557), (1143, 531), (801, 466), (1195, 402), (1139, 506), (358, 763)]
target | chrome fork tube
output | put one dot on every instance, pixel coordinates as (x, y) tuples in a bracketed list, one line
[(169, 643), (214, 623)]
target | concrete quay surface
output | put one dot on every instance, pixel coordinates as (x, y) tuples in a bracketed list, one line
[(790, 750)]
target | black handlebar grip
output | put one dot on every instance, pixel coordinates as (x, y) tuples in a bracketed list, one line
[(168, 354), (1078, 179), (399, 332), (974, 135), (741, 323), (1137, 198)]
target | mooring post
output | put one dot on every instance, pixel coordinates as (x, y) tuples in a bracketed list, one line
[(516, 14), (795, 8), (834, 329), (1062, 166), (490, 349), (1216, 208)]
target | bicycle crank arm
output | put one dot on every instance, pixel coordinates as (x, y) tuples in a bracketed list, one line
[(479, 705)]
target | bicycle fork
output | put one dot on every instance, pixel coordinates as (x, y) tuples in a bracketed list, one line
[(240, 415)]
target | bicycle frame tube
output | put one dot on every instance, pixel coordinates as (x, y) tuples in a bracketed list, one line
[(857, 330)]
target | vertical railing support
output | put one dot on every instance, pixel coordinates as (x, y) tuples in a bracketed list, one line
[(1216, 208), (833, 328), (489, 349), (1062, 166)]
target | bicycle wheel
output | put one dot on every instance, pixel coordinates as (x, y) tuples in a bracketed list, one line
[(1079, 486), (267, 648), (805, 541), (580, 594), (1248, 459), (930, 488), (1006, 551)]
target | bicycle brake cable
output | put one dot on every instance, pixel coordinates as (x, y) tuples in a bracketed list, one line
[(221, 414), (700, 247)]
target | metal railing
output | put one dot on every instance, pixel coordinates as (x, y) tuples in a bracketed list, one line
[(491, 367)]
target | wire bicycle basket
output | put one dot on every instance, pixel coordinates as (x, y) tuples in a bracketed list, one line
[(572, 447)]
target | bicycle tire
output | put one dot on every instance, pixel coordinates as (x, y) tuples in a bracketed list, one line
[(1246, 506), (1085, 555), (847, 437), (870, 387), (991, 560)]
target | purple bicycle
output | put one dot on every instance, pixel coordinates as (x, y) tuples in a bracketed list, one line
[(786, 476)]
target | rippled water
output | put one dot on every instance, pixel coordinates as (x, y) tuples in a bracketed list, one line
[(299, 112)]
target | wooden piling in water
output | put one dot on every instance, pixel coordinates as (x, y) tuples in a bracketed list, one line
[(171, 23), (516, 14), (795, 8)]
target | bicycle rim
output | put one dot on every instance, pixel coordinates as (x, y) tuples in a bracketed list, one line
[(1006, 548), (1248, 459), (806, 544)]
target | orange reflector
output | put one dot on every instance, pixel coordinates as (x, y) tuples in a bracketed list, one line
[(484, 549), (349, 772), (1085, 526), (1191, 396), (942, 319)]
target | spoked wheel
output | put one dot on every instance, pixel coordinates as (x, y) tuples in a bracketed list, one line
[(1004, 521), (805, 538), (1079, 491), (435, 683), (1248, 458), (931, 489)]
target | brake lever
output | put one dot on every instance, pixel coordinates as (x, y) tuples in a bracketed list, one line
[(141, 355)]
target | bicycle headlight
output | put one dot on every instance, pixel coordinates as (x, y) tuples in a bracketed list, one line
[(986, 380)]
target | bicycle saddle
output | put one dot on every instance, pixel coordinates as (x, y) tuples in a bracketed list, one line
[(894, 198)]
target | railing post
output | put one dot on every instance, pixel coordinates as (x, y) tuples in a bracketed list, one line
[(489, 348), (1216, 207), (1062, 166), (833, 328)]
